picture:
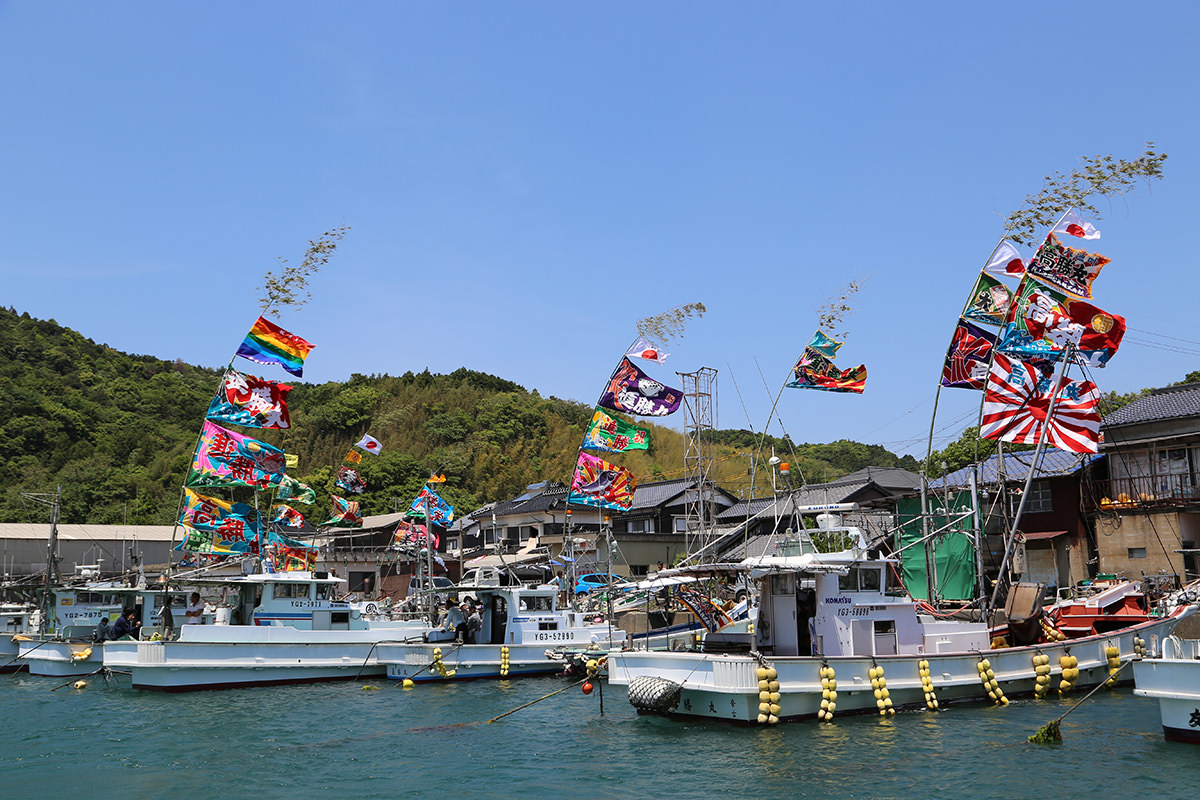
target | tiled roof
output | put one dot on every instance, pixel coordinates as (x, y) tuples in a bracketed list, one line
[(1016, 468), (810, 495), (652, 495), (1172, 402)]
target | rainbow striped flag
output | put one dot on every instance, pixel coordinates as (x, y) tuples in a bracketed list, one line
[(267, 343)]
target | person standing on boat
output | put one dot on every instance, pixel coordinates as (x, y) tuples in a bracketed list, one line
[(194, 612), (102, 630)]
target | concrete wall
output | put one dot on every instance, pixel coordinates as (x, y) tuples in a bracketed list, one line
[(1157, 532)]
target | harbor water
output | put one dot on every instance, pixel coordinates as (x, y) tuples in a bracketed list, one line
[(373, 739)]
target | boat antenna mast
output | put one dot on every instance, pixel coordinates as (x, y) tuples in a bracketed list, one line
[(53, 575)]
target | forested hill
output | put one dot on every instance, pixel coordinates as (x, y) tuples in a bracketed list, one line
[(117, 432)]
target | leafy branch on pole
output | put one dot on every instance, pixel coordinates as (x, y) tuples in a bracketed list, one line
[(668, 326), (1102, 176), (290, 286), (830, 315)]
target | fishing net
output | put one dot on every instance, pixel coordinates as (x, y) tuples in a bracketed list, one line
[(654, 695)]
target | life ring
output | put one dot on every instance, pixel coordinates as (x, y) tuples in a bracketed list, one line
[(371, 608)]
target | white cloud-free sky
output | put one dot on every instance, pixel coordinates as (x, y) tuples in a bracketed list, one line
[(525, 180)]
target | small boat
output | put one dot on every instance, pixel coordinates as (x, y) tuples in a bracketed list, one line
[(272, 628), (1173, 678), (16, 619), (836, 634), (67, 647), (518, 626)]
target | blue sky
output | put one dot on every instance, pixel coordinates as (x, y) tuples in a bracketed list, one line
[(524, 181)]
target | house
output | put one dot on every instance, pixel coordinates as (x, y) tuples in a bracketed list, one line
[(1056, 546), (1146, 506)]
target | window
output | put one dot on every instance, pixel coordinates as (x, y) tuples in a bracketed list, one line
[(639, 526), (639, 570), (868, 580), (1137, 552), (1039, 501), (283, 590), (680, 524), (452, 544)]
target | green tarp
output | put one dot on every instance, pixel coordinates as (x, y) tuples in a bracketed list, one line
[(954, 549)]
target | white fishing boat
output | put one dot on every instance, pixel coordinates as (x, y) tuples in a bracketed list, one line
[(1173, 678), (836, 635), (15, 620), (517, 627), (67, 647), (274, 628)]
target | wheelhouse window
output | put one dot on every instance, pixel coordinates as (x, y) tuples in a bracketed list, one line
[(861, 580), (291, 590)]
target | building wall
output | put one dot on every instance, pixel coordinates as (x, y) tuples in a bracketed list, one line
[(1122, 540)]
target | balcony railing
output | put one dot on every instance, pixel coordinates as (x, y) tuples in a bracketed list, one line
[(1149, 492)]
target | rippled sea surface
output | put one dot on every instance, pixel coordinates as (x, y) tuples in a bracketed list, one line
[(375, 740)]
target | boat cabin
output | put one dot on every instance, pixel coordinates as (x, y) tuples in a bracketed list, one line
[(520, 615), (301, 600), (846, 603)]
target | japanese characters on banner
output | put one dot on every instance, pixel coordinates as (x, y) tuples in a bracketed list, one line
[(815, 369)]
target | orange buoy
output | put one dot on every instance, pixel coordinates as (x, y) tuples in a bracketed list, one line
[(587, 687)]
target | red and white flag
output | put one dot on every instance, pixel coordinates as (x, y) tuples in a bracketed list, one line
[(370, 444), (1017, 402), (1005, 262), (644, 349), (1075, 225)]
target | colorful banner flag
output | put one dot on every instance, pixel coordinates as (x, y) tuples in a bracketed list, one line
[(289, 555), (967, 359), (634, 392), (1075, 225), (601, 484), (437, 510), (614, 435), (353, 457), (286, 515), (211, 543), (815, 370), (291, 460), (644, 349), (989, 302), (1017, 402), (438, 478), (292, 489), (1005, 262), (1065, 268), (267, 343), (370, 444), (345, 514), (410, 536), (1042, 322), (246, 400), (225, 458), (350, 480), (233, 523)]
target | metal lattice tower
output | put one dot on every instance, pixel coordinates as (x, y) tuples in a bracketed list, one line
[(699, 455)]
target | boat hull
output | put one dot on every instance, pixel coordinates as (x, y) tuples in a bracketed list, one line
[(232, 657), (416, 662), (1174, 680), (726, 687), (60, 659)]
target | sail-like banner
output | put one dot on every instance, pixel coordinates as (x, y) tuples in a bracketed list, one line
[(210, 543), (1043, 322), (286, 515), (350, 480), (436, 510), (966, 364), (232, 522), (253, 402), (989, 302), (292, 489), (601, 484), (1065, 268), (1017, 404), (345, 514), (632, 391), (614, 435), (815, 370), (411, 536), (225, 458)]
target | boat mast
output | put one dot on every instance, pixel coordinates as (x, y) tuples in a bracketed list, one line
[(52, 575)]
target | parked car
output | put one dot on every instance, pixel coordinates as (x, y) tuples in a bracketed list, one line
[(596, 580), (442, 586)]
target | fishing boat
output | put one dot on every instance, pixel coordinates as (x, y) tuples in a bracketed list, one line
[(1173, 678), (16, 619), (838, 634), (517, 626), (269, 628), (67, 646)]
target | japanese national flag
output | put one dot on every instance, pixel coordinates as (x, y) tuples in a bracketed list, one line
[(370, 444), (1005, 262), (643, 349), (1075, 225)]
